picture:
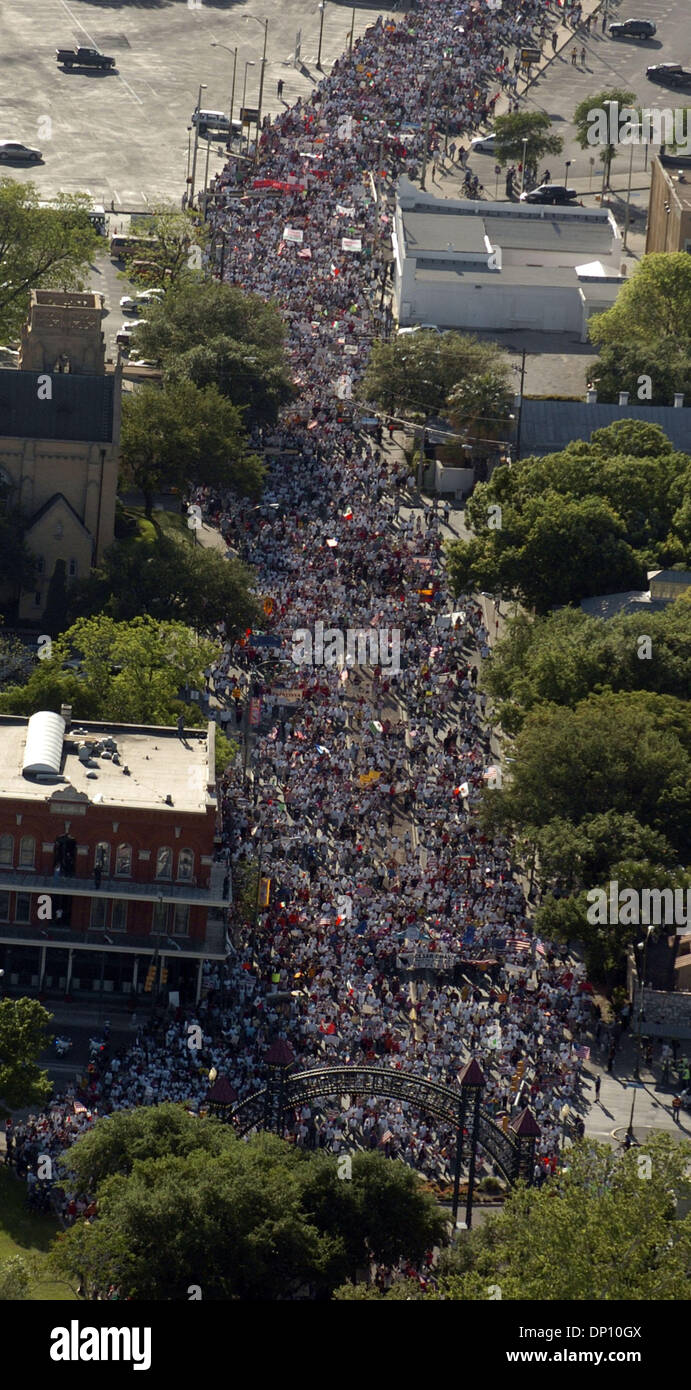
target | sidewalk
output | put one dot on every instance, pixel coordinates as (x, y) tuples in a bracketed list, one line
[(608, 1118)]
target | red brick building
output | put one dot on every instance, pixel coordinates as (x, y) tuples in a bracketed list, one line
[(108, 835)]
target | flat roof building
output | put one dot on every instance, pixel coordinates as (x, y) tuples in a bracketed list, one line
[(108, 863)]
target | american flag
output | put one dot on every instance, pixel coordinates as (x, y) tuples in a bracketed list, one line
[(519, 943)]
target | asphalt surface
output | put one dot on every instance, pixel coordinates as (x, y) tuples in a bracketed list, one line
[(122, 136)]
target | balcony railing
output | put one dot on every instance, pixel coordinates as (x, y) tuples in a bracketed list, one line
[(212, 944), (125, 890)]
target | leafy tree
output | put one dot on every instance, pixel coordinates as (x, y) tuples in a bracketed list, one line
[(255, 379), (131, 672), (183, 1203), (196, 312), (177, 252), (15, 1280), (533, 126), (183, 436), (17, 565), (170, 581), (40, 248), (620, 367), (596, 1231), (416, 375), (653, 307), (481, 404), (587, 133), (23, 1037)]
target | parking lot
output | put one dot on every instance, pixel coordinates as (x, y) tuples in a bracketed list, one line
[(122, 136)]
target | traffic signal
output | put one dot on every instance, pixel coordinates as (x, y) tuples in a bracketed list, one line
[(164, 975), (264, 892), (150, 977)]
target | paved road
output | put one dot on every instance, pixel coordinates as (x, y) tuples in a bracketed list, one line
[(122, 136)]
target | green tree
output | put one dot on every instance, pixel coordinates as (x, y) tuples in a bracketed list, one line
[(255, 379), (480, 405), (131, 672), (183, 1203), (169, 580), (196, 312), (24, 1036), (177, 253), (593, 126), (533, 126), (17, 564), (415, 375), (15, 1280), (597, 1231), (182, 436), (626, 367), (40, 248), (653, 307)]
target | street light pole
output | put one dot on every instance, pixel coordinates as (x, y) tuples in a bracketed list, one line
[(352, 31), (628, 202), (426, 141), (202, 88), (637, 1068), (261, 90), (322, 9), (525, 147), (249, 64)]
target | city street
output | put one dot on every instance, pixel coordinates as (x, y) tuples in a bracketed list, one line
[(122, 136)]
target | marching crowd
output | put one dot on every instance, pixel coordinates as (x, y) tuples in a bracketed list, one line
[(396, 930)]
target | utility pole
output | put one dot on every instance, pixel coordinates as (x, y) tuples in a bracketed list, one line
[(202, 88), (352, 31), (232, 99), (322, 8), (628, 197), (261, 90), (520, 408)]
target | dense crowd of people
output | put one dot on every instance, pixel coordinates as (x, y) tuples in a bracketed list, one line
[(396, 932)]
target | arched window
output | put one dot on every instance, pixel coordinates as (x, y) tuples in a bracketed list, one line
[(27, 852), (6, 851), (102, 857), (186, 864), (164, 862), (123, 861)]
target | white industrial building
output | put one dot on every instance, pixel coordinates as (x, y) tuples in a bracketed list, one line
[(501, 266)]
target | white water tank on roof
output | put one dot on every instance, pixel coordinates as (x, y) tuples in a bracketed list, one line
[(43, 749)]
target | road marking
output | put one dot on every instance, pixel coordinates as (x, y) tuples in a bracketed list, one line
[(93, 43), (117, 195)]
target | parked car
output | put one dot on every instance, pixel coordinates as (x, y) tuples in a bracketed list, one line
[(550, 193), (12, 149), (84, 58), (633, 29), (149, 296), (420, 328), (131, 325), (483, 144), (129, 305), (669, 74)]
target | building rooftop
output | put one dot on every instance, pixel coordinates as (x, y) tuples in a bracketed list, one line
[(113, 765), (679, 184), (80, 408), (434, 230), (546, 276), (548, 426)]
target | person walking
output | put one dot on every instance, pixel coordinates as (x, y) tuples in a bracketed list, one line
[(279, 87), (574, 57), (583, 56), (598, 1083), (676, 1110), (554, 40)]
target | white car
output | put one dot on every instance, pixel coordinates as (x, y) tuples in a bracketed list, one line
[(484, 144), (128, 304), (149, 296), (131, 325)]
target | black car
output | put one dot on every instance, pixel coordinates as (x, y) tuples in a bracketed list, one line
[(550, 193), (633, 29), (669, 74)]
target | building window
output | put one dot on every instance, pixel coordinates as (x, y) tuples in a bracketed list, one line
[(27, 852), (123, 861), (4, 907), (164, 862), (6, 851), (23, 908), (99, 908), (186, 864), (72, 569), (118, 919), (181, 920), (102, 857)]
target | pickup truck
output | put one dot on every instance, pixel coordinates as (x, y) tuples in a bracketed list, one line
[(84, 58)]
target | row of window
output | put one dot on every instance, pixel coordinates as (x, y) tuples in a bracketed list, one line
[(105, 916), (102, 857)]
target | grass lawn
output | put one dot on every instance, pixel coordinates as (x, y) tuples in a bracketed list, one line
[(22, 1233), (172, 524)]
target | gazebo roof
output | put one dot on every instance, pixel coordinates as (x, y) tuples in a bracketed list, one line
[(221, 1093), (471, 1074), (280, 1054), (526, 1126)]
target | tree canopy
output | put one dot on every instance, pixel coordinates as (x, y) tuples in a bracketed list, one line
[(590, 519), (182, 1202), (24, 1035), (132, 672), (427, 373), (181, 436), (535, 127), (40, 248), (591, 117), (159, 574), (177, 252)]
